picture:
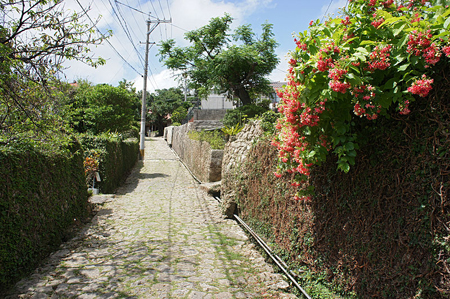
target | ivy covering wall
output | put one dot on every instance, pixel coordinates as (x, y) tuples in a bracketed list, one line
[(42, 194), (378, 231), (116, 156)]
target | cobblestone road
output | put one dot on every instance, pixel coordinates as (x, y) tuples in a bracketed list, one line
[(160, 236)]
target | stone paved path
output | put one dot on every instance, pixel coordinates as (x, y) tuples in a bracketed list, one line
[(160, 236)]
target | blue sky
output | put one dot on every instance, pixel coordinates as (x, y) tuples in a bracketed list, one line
[(287, 17)]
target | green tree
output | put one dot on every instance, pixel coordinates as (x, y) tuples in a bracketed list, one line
[(179, 114), (213, 61), (36, 37), (100, 108), (136, 105), (162, 104)]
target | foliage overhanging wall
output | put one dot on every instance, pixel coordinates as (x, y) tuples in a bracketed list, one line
[(381, 230)]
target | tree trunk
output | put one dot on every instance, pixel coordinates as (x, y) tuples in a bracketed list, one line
[(243, 95)]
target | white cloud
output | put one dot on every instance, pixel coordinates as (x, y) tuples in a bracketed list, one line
[(187, 15), (164, 79), (279, 74)]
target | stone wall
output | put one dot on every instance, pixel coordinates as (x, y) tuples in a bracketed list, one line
[(234, 154), (204, 162)]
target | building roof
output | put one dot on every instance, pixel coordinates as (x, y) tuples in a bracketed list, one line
[(276, 85)]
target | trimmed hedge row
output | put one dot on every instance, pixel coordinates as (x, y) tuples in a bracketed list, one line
[(41, 196), (117, 157)]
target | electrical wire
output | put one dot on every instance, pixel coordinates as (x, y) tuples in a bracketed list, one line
[(168, 7), (138, 25), (135, 9), (331, 1), (109, 43), (164, 16), (124, 26), (108, 8)]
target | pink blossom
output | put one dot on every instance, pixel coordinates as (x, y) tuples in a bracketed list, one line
[(421, 87)]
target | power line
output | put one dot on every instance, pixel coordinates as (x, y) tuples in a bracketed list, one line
[(161, 9), (117, 52), (108, 8), (179, 27), (326, 10), (168, 7), (151, 2), (124, 26), (134, 17), (135, 9)]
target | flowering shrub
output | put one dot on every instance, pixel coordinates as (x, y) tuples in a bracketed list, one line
[(374, 59), (91, 166)]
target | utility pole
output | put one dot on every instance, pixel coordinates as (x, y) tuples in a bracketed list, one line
[(150, 29)]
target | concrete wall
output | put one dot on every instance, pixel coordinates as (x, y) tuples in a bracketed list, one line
[(168, 134), (204, 162), (215, 101), (209, 114)]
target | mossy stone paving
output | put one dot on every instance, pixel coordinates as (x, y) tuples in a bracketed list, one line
[(159, 237)]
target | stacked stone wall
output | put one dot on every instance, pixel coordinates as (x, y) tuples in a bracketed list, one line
[(234, 154), (204, 162)]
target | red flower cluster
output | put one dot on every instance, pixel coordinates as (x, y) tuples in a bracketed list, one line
[(339, 86), (404, 108), (365, 102), (292, 62), (336, 73), (346, 22), (387, 3), (379, 58), (416, 19), (377, 22), (421, 87), (432, 54), (300, 45), (420, 44), (290, 142), (324, 64), (325, 61), (446, 51)]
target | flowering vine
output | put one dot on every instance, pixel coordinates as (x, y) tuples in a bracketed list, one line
[(379, 56)]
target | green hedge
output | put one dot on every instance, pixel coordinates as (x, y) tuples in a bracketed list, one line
[(117, 157), (42, 194)]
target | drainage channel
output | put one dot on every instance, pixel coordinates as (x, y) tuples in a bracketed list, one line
[(277, 260)]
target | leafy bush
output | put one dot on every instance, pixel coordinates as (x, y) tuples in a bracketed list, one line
[(347, 72), (231, 131), (179, 114), (214, 138), (268, 121), (133, 132), (242, 114), (100, 108)]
